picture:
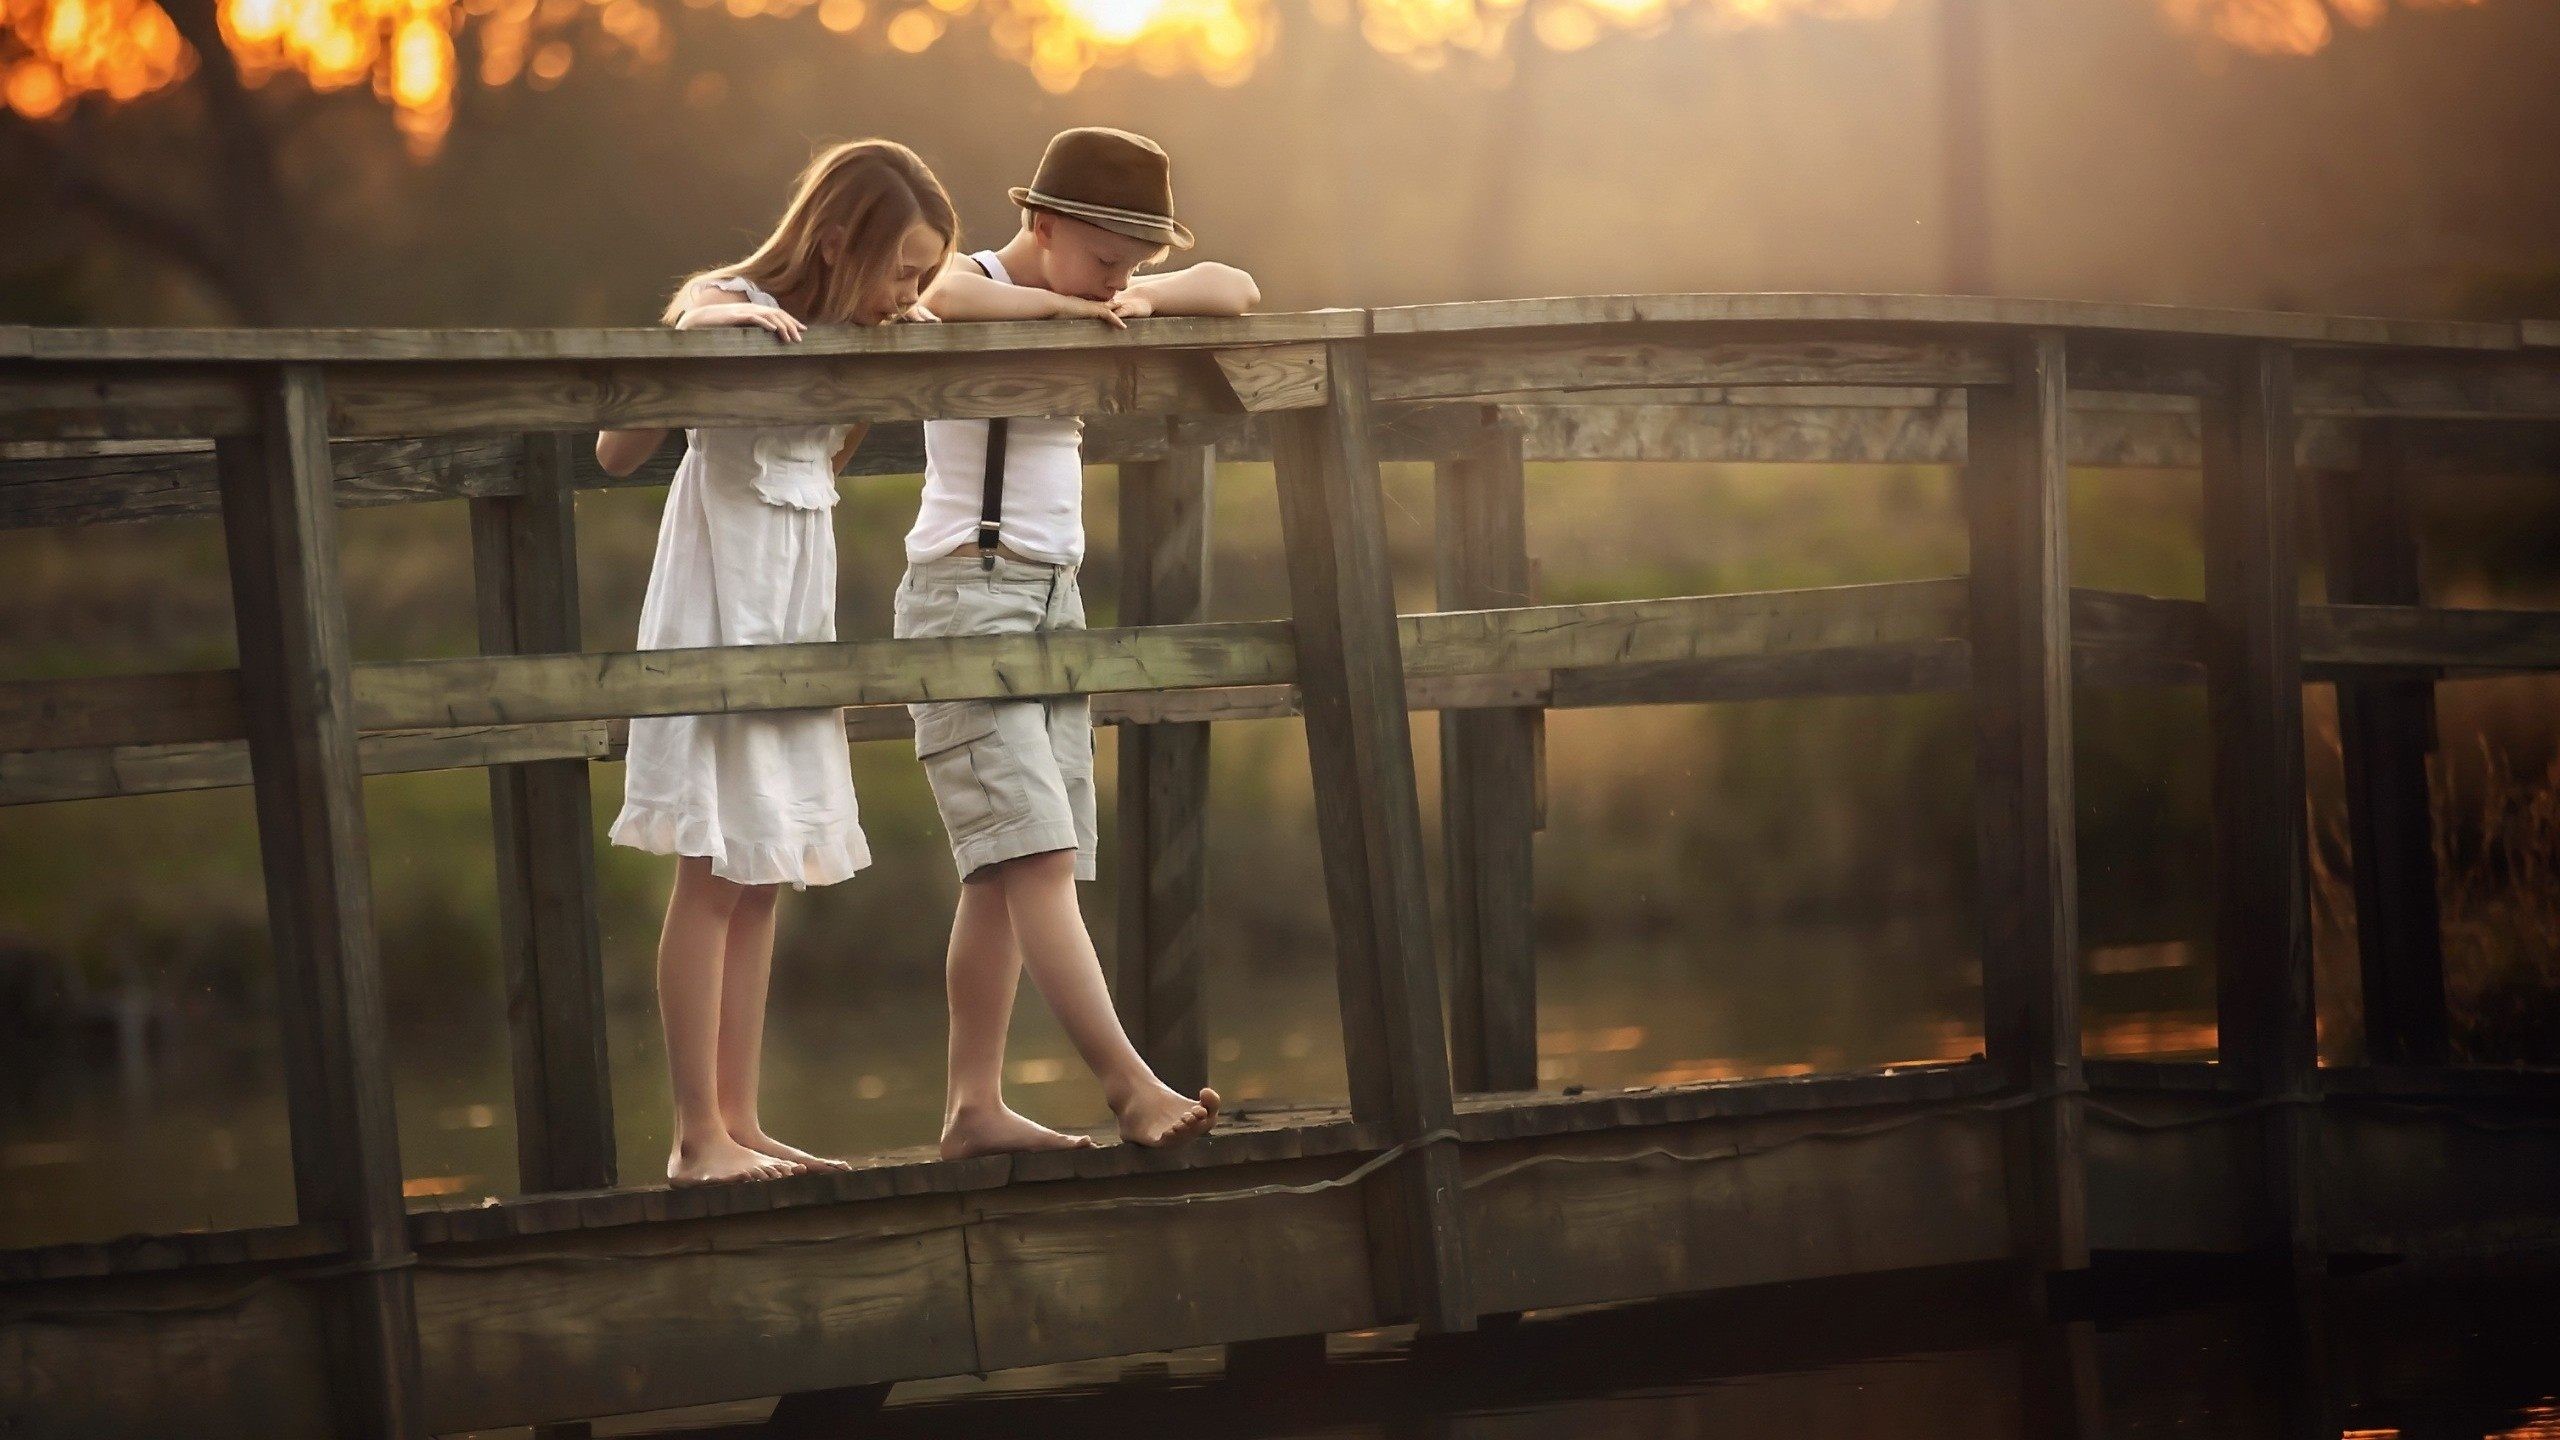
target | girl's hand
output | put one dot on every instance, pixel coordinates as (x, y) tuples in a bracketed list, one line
[(1072, 307), (780, 322)]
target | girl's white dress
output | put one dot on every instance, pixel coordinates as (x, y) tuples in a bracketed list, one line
[(746, 556)]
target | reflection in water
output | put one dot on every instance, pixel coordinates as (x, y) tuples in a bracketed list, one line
[(1941, 1356)]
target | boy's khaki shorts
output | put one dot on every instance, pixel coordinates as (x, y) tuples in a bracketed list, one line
[(1012, 777)]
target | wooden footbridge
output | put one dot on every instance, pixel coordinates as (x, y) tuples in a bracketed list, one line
[(1445, 1188)]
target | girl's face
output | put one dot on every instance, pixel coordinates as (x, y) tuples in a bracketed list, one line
[(1088, 261), (895, 292)]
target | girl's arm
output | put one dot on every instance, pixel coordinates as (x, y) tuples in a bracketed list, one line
[(961, 294), (852, 442), (619, 452), (1207, 288)]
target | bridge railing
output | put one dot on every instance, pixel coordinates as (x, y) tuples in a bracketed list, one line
[(275, 430)]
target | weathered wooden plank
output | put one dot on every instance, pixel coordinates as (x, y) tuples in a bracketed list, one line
[(2418, 636), (1615, 1214), (2386, 729), (110, 710), (2017, 511), (1488, 781), (280, 527), (163, 483), (1485, 1118), (1360, 748), (2253, 688), (525, 563), (1275, 377), (1459, 367), (1968, 310), (138, 344), (2451, 387), (144, 1254), (1164, 776), (777, 677), (1693, 627), (37, 777)]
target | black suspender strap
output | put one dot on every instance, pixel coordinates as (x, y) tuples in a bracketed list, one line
[(991, 503), (991, 509)]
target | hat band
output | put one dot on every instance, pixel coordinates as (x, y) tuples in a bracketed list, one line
[(1112, 212)]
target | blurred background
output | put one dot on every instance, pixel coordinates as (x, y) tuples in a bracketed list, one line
[(1753, 889)]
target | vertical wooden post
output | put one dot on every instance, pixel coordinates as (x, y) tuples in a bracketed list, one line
[(2253, 688), (1488, 780), (2386, 730), (1164, 774), (1359, 744), (2017, 504), (280, 528), (525, 560)]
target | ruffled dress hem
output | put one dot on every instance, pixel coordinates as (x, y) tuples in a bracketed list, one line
[(823, 858)]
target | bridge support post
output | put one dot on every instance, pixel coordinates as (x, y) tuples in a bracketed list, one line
[(1164, 773), (2386, 730), (2253, 699), (525, 564), (280, 530), (2017, 511), (1360, 748), (1489, 781)]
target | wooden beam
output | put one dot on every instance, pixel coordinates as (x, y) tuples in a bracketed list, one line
[(280, 526), (1489, 781), (2017, 510), (1164, 776), (38, 777), (2449, 387), (1352, 677), (2253, 689), (2386, 730), (1275, 377), (525, 561), (1460, 367)]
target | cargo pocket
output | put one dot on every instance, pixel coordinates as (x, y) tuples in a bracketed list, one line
[(949, 738)]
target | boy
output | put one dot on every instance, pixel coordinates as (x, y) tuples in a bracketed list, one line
[(994, 550)]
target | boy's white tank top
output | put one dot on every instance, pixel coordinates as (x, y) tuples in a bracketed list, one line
[(1043, 481)]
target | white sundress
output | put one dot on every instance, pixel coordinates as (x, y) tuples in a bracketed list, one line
[(746, 556)]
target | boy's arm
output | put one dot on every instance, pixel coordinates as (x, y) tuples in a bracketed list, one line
[(959, 294), (1207, 288)]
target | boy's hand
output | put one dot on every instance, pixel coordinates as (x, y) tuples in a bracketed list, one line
[(1074, 307), (1132, 305), (780, 322)]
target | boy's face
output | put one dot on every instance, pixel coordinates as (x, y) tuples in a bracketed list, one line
[(1088, 261)]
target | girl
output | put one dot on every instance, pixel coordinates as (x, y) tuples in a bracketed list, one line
[(747, 556)]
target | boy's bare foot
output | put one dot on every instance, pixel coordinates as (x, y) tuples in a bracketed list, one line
[(722, 1159), (766, 1145), (1159, 1115), (1001, 1131)]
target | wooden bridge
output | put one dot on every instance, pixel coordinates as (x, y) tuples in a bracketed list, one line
[(1445, 1188)]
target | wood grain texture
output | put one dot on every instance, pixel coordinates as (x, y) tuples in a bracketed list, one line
[(37, 777), (1488, 781), (1360, 750), (2017, 512), (280, 527), (1965, 310), (2386, 730), (1458, 367), (2253, 690), (1164, 776), (1276, 377), (525, 565)]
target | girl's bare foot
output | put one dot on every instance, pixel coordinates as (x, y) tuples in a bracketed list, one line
[(754, 1138), (722, 1159), (1000, 1131), (1158, 1115)]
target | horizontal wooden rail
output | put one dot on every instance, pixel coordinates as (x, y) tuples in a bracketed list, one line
[(1896, 638)]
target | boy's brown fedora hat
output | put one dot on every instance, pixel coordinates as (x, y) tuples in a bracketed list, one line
[(1111, 178)]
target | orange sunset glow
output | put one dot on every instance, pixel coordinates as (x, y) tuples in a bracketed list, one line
[(57, 53)]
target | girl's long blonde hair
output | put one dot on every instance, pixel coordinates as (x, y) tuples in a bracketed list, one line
[(868, 192)]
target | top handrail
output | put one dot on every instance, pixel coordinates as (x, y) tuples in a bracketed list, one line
[(91, 344)]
